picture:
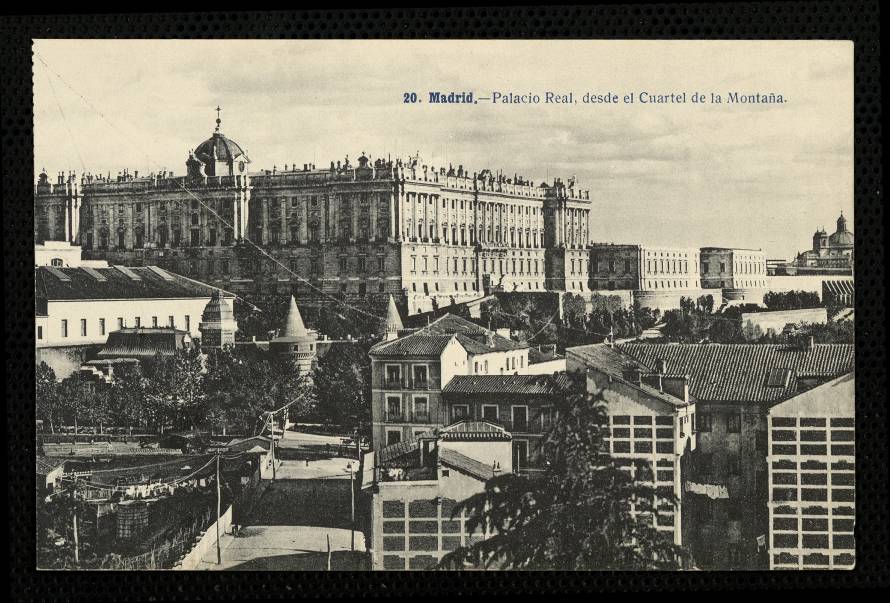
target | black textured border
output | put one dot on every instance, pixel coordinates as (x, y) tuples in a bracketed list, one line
[(856, 20)]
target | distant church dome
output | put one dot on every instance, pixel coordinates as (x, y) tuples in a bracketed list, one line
[(842, 237)]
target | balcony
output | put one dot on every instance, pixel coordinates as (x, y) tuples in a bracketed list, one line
[(395, 417)]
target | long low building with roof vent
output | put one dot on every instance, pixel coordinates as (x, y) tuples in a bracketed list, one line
[(78, 307)]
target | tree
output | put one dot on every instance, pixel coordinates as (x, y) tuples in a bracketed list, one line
[(791, 300), (580, 515), (342, 381), (47, 395)]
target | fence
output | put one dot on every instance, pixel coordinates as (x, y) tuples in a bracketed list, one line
[(165, 555), (205, 543)]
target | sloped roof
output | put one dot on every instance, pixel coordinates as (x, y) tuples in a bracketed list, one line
[(46, 466), (53, 284), (465, 464), (474, 338), (415, 344), (143, 343), (217, 309), (468, 430), (739, 372), (507, 384), (392, 452), (839, 287), (474, 335), (393, 320), (294, 329)]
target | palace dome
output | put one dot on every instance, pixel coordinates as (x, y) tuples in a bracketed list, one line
[(218, 148)]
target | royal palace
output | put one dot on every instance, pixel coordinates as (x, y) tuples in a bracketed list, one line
[(427, 235)]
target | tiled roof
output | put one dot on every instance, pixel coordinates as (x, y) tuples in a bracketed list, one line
[(465, 464), (79, 283), (46, 466), (431, 339), (475, 338), (142, 343), (739, 372), (839, 287), (612, 361), (466, 430), (395, 451), (415, 344), (507, 384)]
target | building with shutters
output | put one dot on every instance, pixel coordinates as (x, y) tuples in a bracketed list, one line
[(411, 367)]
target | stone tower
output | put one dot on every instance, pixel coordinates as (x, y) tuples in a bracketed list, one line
[(218, 324), (296, 341), (393, 321)]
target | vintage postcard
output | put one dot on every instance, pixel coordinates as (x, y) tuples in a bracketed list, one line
[(428, 304)]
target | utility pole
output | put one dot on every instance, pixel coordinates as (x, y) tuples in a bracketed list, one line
[(218, 510), (352, 504), (272, 426), (76, 540)]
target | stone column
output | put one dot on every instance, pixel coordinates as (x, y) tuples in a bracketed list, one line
[(303, 208), (283, 215), (351, 201), (265, 210), (67, 223)]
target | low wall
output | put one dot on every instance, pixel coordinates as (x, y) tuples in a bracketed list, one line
[(810, 283), (205, 548)]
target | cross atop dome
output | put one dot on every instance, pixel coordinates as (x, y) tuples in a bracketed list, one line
[(218, 120)]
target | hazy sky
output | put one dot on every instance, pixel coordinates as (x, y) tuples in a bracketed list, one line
[(761, 176)]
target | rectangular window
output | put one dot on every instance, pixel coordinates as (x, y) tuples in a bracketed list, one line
[(64, 328), (520, 418), (460, 411), (188, 323), (704, 422), (83, 327), (490, 412), (420, 376), (734, 423), (393, 436), (101, 326), (154, 322), (393, 375), (421, 408), (138, 321), (393, 408), (120, 323), (171, 322), (39, 332)]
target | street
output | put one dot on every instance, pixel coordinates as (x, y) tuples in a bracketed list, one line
[(289, 527)]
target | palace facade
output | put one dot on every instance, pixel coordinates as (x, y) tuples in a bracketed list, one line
[(363, 231)]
